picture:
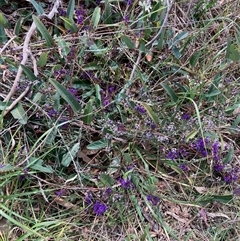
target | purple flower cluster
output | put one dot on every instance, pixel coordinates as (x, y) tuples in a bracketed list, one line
[(177, 153), (186, 116), (140, 109), (126, 183), (62, 12), (81, 14), (172, 154), (99, 208), (128, 2), (153, 199), (200, 146), (61, 73), (107, 95), (52, 113), (231, 176)]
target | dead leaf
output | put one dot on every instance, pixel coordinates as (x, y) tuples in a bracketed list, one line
[(63, 203), (204, 216)]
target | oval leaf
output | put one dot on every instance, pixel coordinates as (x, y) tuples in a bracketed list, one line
[(96, 16), (70, 155), (28, 72), (66, 95), (96, 145), (42, 29)]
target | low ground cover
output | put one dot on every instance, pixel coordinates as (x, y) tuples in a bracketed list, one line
[(119, 120)]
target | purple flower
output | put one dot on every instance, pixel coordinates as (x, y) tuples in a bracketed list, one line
[(153, 125), (228, 80), (128, 2), (126, 184), (231, 176), (140, 109), (106, 101), (215, 150), (185, 116), (237, 191), (126, 19), (60, 192), (184, 167), (111, 89), (173, 154), (107, 192), (99, 208), (200, 146), (52, 113), (81, 13), (25, 175), (218, 166), (153, 199), (62, 12), (88, 198)]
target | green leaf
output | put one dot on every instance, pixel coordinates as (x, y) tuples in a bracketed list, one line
[(128, 42), (18, 26), (19, 113), (229, 156), (107, 16), (233, 107), (70, 155), (213, 90), (222, 199), (64, 47), (106, 180), (88, 113), (98, 95), (3, 20), (44, 32), (3, 36), (176, 52), (234, 126), (96, 145), (4, 105), (232, 51), (38, 7), (66, 95), (42, 59), (150, 112), (38, 166), (70, 9), (6, 168), (170, 92), (194, 58), (213, 93), (191, 135), (69, 24), (51, 135), (28, 73), (96, 16), (97, 50), (180, 37)]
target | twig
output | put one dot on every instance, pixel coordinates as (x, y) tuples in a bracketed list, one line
[(26, 52), (5, 46), (163, 24), (15, 102)]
